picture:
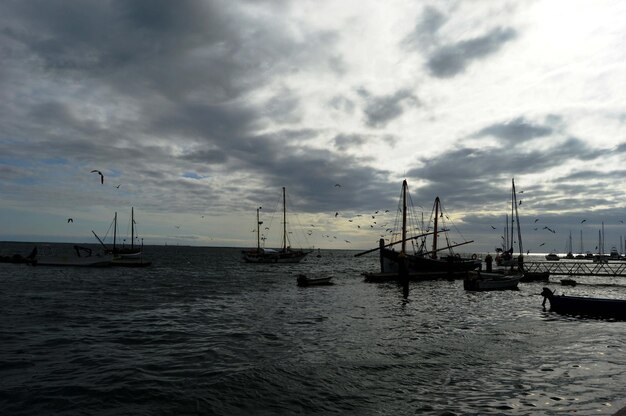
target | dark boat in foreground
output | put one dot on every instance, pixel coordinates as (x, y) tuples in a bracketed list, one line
[(578, 305)]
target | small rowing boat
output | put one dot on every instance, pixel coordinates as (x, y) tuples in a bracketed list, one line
[(304, 280)]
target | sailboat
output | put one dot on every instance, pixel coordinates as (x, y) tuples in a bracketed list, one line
[(503, 279), (125, 256), (265, 255), (423, 262)]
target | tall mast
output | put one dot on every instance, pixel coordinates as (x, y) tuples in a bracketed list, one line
[(519, 228), (512, 213), (284, 222), (581, 241), (434, 255), (132, 227), (258, 231), (404, 186), (114, 230)]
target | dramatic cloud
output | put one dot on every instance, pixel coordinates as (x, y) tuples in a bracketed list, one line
[(518, 130), (381, 110), (450, 60)]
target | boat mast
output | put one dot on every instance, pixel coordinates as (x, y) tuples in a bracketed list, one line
[(434, 255), (284, 222), (512, 213), (258, 231), (114, 230), (404, 187), (581, 241), (132, 227), (519, 229)]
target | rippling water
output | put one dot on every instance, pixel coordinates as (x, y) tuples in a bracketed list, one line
[(200, 332)]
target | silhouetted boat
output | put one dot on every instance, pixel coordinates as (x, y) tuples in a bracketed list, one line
[(552, 257), (304, 280), (486, 281), (585, 306), (568, 282), (285, 255), (423, 263), (125, 256)]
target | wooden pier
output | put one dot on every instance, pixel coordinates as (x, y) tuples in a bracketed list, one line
[(577, 268)]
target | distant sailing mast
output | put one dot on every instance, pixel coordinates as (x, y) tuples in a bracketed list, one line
[(437, 202)]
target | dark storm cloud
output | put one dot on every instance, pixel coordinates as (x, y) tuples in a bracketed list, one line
[(518, 130), (380, 110), (452, 59), (470, 176)]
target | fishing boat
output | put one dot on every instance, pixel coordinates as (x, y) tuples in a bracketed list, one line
[(321, 280), (585, 306), (82, 257), (424, 262), (477, 280), (264, 255)]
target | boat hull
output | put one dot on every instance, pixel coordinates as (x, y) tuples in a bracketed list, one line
[(483, 281), (69, 261), (274, 257), (423, 265), (584, 306), (304, 280)]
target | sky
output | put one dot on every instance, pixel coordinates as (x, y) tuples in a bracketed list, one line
[(199, 112)]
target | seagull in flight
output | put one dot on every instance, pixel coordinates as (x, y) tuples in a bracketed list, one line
[(536, 219), (583, 221), (70, 220), (118, 186), (337, 185), (99, 173), (542, 244), (493, 227)]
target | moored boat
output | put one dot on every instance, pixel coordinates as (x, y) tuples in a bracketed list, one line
[(552, 257), (264, 255), (535, 277), (424, 262), (585, 306), (304, 280), (487, 281)]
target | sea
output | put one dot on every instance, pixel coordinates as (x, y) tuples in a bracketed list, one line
[(200, 332)]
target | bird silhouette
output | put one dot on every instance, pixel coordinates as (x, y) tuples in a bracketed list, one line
[(336, 214), (520, 203), (177, 227), (70, 220), (493, 227), (99, 173), (542, 244), (583, 221), (118, 186), (536, 219), (337, 185)]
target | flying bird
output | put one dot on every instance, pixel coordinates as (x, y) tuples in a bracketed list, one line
[(118, 186), (70, 220), (622, 221), (542, 244), (493, 227), (336, 214), (520, 203), (583, 221), (177, 227), (99, 173), (337, 185), (536, 219)]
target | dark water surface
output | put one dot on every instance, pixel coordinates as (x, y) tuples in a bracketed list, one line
[(200, 332)]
